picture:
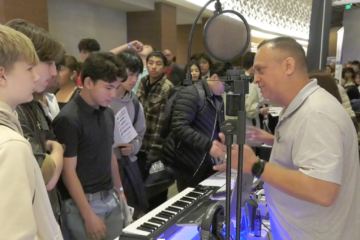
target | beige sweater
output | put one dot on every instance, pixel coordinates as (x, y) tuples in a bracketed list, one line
[(25, 211), (346, 101)]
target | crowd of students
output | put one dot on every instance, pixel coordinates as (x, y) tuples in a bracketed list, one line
[(61, 121)]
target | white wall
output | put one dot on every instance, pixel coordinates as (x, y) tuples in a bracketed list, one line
[(72, 20), (351, 47)]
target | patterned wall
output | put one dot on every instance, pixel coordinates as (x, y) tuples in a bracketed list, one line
[(290, 17)]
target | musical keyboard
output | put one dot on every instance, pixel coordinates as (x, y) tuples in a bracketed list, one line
[(160, 223)]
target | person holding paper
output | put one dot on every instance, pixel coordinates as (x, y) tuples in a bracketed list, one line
[(126, 151), (312, 178)]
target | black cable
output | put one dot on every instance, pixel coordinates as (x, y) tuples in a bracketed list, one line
[(265, 226), (267, 233)]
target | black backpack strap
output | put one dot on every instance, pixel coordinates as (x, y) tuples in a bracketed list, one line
[(136, 109)]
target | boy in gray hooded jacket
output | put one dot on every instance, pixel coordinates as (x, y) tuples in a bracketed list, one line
[(126, 153)]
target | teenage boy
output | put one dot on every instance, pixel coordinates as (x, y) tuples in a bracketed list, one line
[(144, 53), (126, 153), (198, 113), (25, 207), (91, 186), (34, 122), (153, 93)]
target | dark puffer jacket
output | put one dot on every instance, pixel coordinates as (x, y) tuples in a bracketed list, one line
[(194, 126)]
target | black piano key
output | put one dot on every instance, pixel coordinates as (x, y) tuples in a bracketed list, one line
[(194, 195), (184, 204), (145, 229), (173, 209), (172, 213), (179, 205), (167, 214), (187, 199), (157, 221), (163, 216), (150, 226)]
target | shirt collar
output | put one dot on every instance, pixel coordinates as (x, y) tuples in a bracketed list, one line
[(300, 98), (86, 107), (162, 78)]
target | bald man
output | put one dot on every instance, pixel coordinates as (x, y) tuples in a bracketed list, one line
[(174, 71), (312, 178)]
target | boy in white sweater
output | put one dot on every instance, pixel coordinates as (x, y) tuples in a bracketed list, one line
[(25, 211)]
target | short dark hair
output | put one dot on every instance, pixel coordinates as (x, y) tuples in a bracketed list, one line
[(290, 45), (70, 62), (195, 57), (103, 66), (327, 82), (348, 70), (353, 92), (247, 60), (132, 61), (207, 58), (220, 69), (89, 44), (46, 46), (157, 54), (355, 62)]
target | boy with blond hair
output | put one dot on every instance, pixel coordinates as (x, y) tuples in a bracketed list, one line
[(25, 208)]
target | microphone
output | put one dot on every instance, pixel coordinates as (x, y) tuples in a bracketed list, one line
[(233, 101), (232, 104)]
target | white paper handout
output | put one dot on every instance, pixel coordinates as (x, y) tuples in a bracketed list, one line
[(126, 131), (275, 111)]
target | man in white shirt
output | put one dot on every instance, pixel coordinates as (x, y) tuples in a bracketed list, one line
[(311, 181)]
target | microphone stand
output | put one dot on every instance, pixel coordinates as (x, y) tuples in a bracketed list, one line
[(188, 80), (240, 86), (230, 127)]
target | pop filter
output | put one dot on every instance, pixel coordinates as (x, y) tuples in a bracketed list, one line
[(226, 35)]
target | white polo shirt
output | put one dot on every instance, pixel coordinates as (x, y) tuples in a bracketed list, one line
[(316, 136)]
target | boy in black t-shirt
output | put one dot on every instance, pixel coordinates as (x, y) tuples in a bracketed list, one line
[(91, 184)]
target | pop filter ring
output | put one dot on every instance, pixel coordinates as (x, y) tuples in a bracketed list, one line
[(206, 29)]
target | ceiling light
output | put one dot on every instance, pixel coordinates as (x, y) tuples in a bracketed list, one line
[(259, 34), (258, 24)]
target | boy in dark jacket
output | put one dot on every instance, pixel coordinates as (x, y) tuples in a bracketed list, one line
[(194, 125)]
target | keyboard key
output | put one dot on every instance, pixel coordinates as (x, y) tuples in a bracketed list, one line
[(157, 221), (145, 229), (172, 209)]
